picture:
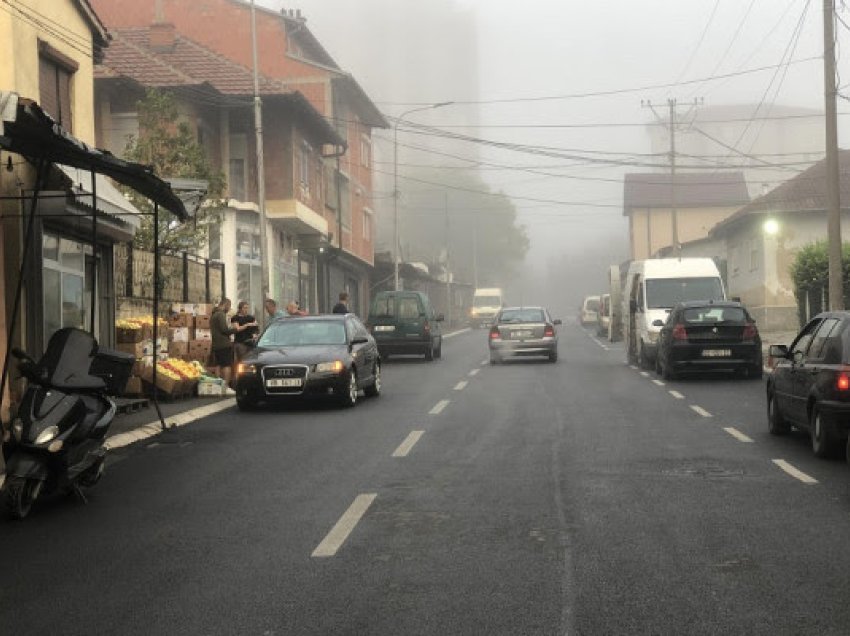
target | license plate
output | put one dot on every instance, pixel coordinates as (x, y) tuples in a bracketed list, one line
[(284, 383), (384, 328), (522, 334), (716, 353)]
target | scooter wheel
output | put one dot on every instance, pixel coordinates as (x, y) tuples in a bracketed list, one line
[(93, 474), (18, 497)]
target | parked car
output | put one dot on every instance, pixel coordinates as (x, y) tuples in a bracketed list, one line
[(589, 311), (603, 321), (523, 331), (810, 384), (330, 357), (404, 322), (708, 336)]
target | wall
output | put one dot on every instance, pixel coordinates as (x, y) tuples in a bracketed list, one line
[(693, 224)]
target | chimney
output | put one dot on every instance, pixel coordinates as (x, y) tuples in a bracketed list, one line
[(161, 36)]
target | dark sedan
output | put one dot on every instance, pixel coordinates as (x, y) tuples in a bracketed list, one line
[(523, 331), (810, 385), (314, 356), (708, 336)]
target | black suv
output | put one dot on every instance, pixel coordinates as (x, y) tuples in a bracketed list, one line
[(810, 386)]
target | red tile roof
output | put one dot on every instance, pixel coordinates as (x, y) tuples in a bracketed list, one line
[(653, 190)]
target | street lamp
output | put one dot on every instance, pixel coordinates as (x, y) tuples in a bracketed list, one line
[(399, 119), (771, 227)]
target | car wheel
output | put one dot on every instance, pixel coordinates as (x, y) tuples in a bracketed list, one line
[(245, 404), (642, 358), (667, 372), (494, 358), (429, 351), (776, 424), (553, 356), (439, 352), (348, 398), (374, 389), (824, 443)]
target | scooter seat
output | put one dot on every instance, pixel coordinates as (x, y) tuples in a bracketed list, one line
[(76, 383)]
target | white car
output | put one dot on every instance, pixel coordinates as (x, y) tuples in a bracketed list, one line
[(589, 313)]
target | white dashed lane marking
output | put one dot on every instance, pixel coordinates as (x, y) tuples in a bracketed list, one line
[(738, 435), (631, 366), (677, 395), (406, 446), (644, 374), (700, 411), (474, 372), (438, 407), (658, 382), (344, 527), (460, 386), (483, 362), (455, 333), (796, 473)]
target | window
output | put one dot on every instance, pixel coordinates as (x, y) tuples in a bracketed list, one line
[(303, 332), (330, 188), (346, 202), (249, 270), (367, 224), (663, 293), (383, 307), (801, 344), (65, 284), (365, 151), (754, 256), (821, 337), (522, 315), (237, 175), (304, 166), (408, 308), (55, 71)]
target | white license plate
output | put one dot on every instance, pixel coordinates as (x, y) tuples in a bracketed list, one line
[(716, 353), (384, 328), (523, 334), (284, 383)]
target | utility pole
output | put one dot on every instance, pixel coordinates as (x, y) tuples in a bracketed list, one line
[(448, 271), (833, 197), (672, 105), (475, 252), (261, 170)]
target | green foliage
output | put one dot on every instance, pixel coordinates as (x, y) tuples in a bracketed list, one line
[(169, 146), (810, 273)]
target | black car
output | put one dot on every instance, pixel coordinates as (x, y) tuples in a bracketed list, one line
[(330, 356), (523, 331), (810, 385), (708, 336)]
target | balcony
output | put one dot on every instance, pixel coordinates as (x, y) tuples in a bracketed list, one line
[(293, 216)]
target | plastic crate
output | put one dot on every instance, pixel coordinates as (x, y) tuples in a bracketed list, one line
[(114, 367)]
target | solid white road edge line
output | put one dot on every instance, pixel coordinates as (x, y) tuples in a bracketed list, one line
[(460, 386), (438, 407), (456, 333), (738, 435), (658, 382), (346, 524), (474, 372), (645, 374), (700, 411), (405, 447), (795, 472), (155, 428), (677, 395)]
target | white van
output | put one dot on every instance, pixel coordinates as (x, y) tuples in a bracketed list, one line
[(486, 303), (652, 288)]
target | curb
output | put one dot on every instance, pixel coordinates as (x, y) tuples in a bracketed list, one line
[(154, 428)]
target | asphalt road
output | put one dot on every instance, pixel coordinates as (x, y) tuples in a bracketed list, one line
[(580, 497)]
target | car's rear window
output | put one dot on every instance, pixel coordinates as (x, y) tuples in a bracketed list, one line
[(522, 315), (709, 314), (591, 304), (408, 308), (294, 332), (663, 293), (383, 307)]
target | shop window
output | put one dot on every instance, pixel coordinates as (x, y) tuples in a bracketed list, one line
[(66, 284)]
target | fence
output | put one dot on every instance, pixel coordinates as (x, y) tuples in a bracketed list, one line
[(814, 299), (184, 278)]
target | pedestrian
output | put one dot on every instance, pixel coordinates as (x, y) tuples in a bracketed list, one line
[(272, 310), (243, 340), (222, 348), (342, 306), (293, 309)]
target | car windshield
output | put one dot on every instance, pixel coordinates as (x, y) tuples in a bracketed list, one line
[(714, 315), (487, 301), (664, 293), (522, 315), (295, 332)]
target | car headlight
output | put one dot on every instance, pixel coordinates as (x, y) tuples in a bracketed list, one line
[(18, 428), (337, 366), (245, 369), (47, 434)]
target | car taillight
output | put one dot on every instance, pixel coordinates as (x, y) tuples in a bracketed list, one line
[(679, 332), (494, 334), (549, 332), (750, 331), (843, 383)]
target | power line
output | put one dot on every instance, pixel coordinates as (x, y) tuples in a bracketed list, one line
[(699, 42)]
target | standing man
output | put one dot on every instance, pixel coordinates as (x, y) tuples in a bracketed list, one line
[(242, 338), (342, 306), (272, 310), (222, 348)]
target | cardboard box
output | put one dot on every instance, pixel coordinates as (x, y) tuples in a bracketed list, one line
[(134, 386), (179, 334), (210, 389), (202, 322), (204, 309), (178, 349), (203, 334), (163, 383), (181, 319), (127, 336), (135, 349), (200, 350)]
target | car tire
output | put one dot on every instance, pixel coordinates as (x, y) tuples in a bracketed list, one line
[(245, 404), (553, 356), (495, 358), (374, 389), (824, 441), (348, 397), (667, 372), (429, 351), (439, 352), (642, 358), (776, 424)]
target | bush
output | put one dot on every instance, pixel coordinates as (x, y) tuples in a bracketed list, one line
[(810, 273)]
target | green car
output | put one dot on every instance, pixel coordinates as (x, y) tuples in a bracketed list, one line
[(404, 322)]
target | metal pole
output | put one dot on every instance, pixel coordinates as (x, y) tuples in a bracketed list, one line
[(475, 252), (156, 289), (93, 251), (677, 249), (448, 270), (833, 196), (261, 171)]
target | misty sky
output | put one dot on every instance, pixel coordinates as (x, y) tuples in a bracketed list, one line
[(545, 48)]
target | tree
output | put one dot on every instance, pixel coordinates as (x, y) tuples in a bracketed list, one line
[(170, 147), (810, 273)]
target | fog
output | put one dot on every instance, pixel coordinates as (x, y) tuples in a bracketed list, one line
[(520, 73)]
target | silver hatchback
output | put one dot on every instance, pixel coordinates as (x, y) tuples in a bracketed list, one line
[(523, 331)]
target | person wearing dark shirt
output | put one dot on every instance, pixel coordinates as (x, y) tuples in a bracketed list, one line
[(243, 339), (342, 306)]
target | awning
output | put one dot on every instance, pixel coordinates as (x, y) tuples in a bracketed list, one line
[(110, 200)]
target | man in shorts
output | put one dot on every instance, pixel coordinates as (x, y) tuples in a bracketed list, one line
[(222, 348)]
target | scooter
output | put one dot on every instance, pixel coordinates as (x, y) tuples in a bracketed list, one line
[(56, 441)]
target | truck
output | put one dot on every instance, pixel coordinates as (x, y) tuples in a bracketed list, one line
[(486, 303)]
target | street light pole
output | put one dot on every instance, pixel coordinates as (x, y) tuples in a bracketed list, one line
[(833, 196), (396, 240)]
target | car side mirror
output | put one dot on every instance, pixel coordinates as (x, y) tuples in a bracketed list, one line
[(778, 351), (440, 318), (658, 323), (557, 321)]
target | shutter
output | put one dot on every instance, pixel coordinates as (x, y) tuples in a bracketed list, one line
[(48, 96), (65, 118)]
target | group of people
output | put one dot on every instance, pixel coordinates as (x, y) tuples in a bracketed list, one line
[(244, 329)]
